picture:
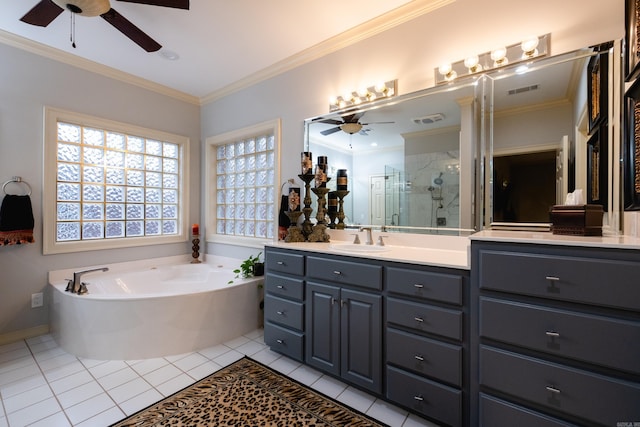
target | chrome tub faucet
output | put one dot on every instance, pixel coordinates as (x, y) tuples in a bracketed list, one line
[(76, 286)]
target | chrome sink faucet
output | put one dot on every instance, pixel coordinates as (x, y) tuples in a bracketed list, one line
[(76, 286), (369, 237)]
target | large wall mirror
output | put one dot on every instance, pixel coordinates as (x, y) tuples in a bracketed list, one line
[(411, 160), (554, 128), (498, 150)]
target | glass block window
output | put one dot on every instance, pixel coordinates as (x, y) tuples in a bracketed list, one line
[(114, 185), (109, 182), (245, 186)]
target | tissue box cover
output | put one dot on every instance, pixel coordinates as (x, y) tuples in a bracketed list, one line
[(576, 220)]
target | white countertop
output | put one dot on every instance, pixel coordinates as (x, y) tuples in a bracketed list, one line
[(454, 256), (548, 238)]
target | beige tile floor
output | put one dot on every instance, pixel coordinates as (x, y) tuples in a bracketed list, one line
[(42, 385)]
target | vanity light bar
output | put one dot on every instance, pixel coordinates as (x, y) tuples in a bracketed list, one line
[(531, 47), (362, 96)]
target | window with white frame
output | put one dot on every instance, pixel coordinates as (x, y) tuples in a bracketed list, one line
[(242, 175), (110, 184)]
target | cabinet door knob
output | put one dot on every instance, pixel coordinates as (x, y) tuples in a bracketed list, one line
[(552, 389), (342, 303), (552, 334), (418, 319), (419, 398), (418, 286), (418, 357)]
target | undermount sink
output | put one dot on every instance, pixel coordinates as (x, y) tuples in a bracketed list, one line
[(351, 247)]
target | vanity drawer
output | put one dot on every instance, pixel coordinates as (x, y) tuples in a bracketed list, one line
[(427, 397), (284, 262), (345, 272), (425, 318), (575, 392), (284, 341), (283, 286), (498, 413), (284, 312), (586, 280), (601, 340), (424, 284), (425, 356)]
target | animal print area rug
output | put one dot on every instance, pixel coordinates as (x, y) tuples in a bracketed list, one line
[(247, 393)]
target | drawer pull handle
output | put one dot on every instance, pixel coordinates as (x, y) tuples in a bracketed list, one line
[(553, 278), (280, 287), (337, 272), (418, 319), (280, 262), (419, 398), (280, 341), (552, 334), (281, 313), (418, 357), (342, 302), (418, 286), (553, 389), (333, 300)]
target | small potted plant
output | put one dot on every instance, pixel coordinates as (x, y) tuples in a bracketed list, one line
[(250, 267)]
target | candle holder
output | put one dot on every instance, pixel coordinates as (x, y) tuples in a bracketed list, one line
[(319, 233), (307, 225), (341, 195), (195, 249), (332, 219), (294, 234)]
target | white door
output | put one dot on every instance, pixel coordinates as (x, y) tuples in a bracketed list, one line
[(377, 199)]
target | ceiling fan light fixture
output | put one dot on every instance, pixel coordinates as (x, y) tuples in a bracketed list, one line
[(85, 7), (351, 128)]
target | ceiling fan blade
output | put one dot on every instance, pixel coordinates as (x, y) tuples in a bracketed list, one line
[(177, 4), (42, 14), (127, 28), (353, 118), (377, 123), (330, 131), (331, 122)]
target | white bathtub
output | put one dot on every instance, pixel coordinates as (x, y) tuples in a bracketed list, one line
[(153, 308)]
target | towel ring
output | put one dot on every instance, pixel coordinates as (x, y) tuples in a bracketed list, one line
[(17, 180)]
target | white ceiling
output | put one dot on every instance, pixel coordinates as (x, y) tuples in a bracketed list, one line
[(219, 42)]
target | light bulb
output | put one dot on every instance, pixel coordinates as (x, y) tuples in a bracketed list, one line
[(333, 100), (499, 57), (529, 46), (381, 87), (363, 92), (471, 63), (445, 69)]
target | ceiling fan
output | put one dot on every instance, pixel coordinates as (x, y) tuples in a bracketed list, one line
[(350, 124), (43, 13)]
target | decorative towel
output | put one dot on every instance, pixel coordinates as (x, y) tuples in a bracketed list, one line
[(16, 220)]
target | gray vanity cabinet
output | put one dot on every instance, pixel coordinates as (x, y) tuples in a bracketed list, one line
[(559, 334), (344, 320), (284, 302), (427, 348)]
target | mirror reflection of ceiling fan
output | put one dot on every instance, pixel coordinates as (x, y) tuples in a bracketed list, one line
[(350, 124), (43, 13)]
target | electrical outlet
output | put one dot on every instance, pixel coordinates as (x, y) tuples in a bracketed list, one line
[(37, 300), (442, 221)]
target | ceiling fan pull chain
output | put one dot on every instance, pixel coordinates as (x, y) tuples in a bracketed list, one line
[(73, 30)]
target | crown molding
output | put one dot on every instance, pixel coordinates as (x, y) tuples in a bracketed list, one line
[(94, 67), (368, 29)]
